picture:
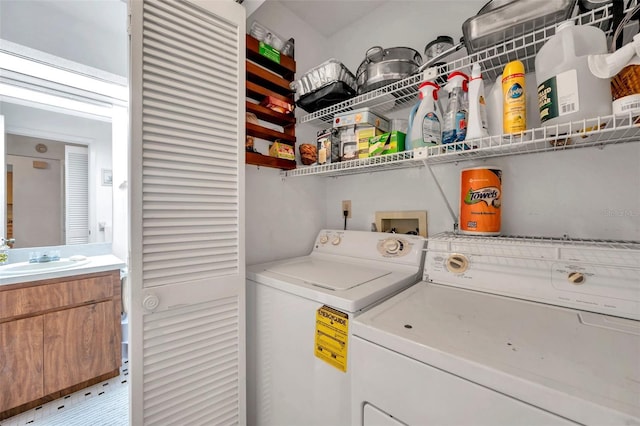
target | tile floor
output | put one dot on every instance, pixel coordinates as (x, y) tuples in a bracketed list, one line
[(80, 405)]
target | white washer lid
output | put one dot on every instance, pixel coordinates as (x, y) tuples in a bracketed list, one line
[(330, 275), (576, 364)]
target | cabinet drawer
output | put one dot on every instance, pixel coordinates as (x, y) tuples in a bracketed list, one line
[(54, 294)]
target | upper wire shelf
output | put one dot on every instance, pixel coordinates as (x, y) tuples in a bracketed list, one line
[(492, 60)]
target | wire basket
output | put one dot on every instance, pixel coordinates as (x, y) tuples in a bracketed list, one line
[(626, 82)]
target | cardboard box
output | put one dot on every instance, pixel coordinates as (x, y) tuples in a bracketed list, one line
[(362, 117), (328, 142), (277, 105), (348, 144), (395, 143), (282, 150), (363, 135), (386, 143)]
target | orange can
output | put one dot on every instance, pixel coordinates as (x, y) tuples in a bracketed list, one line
[(480, 200)]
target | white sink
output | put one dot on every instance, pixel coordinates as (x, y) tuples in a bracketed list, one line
[(24, 268)]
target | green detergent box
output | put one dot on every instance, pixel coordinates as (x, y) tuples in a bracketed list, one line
[(386, 143)]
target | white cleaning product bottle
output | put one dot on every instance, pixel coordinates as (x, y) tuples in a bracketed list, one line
[(424, 123), (567, 90), (478, 125), (455, 117)]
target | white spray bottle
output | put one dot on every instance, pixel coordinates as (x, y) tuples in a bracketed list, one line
[(478, 124), (424, 123)]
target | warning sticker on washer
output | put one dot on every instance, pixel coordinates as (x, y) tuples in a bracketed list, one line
[(332, 335)]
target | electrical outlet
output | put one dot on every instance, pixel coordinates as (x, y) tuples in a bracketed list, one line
[(346, 205)]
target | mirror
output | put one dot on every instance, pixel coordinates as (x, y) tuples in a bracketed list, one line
[(63, 121), (50, 201)]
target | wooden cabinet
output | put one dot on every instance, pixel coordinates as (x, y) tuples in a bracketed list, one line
[(266, 77), (21, 361), (79, 344), (57, 336)]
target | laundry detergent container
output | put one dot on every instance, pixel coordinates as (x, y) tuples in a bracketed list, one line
[(567, 90)]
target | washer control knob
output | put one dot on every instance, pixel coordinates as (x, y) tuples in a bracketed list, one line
[(392, 246), (151, 302), (324, 239), (457, 263), (336, 240), (576, 278)]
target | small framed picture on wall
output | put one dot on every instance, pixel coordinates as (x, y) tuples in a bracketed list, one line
[(107, 177)]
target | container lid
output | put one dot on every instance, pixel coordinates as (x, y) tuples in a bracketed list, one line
[(565, 24), (457, 74), (428, 83), (443, 42)]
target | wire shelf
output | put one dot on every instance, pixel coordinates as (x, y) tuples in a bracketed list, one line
[(599, 131), (492, 60), (400, 160)]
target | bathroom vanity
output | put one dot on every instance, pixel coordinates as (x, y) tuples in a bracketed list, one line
[(57, 335)]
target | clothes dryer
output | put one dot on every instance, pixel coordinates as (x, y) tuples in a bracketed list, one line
[(299, 322)]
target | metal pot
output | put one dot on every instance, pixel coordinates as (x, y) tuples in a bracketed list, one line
[(385, 66)]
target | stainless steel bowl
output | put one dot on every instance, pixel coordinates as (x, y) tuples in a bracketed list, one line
[(385, 66)]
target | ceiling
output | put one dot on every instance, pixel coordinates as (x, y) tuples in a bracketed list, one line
[(108, 15), (329, 16)]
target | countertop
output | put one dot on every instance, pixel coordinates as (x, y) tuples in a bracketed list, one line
[(100, 263)]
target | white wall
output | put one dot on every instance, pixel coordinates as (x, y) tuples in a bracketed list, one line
[(37, 202), (284, 216), (401, 23), (100, 196), (583, 193), (91, 32)]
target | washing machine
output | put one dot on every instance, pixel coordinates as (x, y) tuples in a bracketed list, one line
[(505, 331), (299, 314)]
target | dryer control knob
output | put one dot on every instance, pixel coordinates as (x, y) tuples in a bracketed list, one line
[(392, 246), (576, 278), (324, 239), (457, 263), (336, 240)]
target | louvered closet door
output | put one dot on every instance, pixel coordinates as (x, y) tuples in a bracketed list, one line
[(187, 224), (76, 194)]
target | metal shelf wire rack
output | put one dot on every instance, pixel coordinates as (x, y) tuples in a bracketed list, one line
[(598, 131), (493, 59)]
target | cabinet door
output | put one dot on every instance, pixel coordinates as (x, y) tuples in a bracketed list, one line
[(20, 362), (79, 345)]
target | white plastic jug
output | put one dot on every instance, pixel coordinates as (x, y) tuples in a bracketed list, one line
[(567, 90)]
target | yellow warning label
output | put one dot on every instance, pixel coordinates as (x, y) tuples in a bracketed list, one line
[(332, 335)]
